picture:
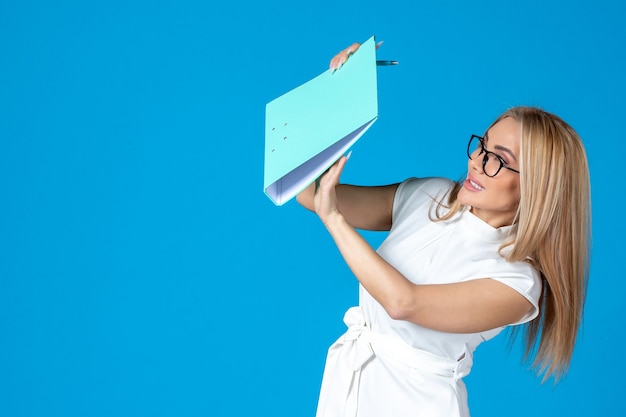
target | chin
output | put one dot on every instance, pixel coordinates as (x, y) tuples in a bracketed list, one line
[(463, 198)]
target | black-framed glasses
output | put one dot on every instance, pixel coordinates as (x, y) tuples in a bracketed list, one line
[(492, 162)]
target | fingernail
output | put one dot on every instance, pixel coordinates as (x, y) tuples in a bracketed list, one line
[(348, 155)]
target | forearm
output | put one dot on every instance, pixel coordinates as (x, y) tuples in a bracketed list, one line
[(465, 307), (462, 307), (381, 280)]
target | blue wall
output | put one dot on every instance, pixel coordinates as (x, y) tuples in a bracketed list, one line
[(143, 272)]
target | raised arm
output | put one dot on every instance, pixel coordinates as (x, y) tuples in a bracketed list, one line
[(367, 208), (465, 307)]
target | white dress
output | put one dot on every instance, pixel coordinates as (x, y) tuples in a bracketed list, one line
[(384, 367)]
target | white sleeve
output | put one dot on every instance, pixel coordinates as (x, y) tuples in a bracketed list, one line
[(520, 276), (529, 286)]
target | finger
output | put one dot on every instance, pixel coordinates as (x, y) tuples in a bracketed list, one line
[(379, 44), (338, 60), (334, 172), (318, 180), (340, 164), (330, 177), (352, 48), (335, 62)]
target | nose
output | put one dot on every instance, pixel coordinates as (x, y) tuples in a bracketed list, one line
[(476, 164)]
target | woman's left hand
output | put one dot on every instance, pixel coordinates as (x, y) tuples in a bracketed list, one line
[(338, 60), (325, 199)]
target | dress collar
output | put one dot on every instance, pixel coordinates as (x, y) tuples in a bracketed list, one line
[(483, 230)]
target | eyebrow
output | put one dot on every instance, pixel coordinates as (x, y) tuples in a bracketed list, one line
[(501, 148)]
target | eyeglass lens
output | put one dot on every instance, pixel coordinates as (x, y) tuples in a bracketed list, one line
[(490, 162)]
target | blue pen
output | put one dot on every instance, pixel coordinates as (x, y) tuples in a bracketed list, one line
[(386, 63)]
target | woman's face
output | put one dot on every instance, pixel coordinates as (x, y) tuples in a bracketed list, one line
[(495, 199)]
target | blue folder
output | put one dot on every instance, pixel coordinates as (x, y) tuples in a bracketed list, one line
[(311, 126)]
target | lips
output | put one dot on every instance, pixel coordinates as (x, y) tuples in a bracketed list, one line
[(473, 185)]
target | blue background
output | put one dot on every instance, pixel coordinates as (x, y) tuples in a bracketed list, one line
[(143, 272)]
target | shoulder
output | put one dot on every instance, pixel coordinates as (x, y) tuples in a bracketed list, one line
[(526, 280), (431, 186), (416, 195), (484, 259), (419, 190)]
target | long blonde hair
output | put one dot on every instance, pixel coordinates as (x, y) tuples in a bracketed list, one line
[(553, 232)]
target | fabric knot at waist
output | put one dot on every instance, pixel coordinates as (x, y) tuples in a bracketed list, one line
[(358, 345)]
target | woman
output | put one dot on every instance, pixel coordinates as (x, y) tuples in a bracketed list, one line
[(508, 245)]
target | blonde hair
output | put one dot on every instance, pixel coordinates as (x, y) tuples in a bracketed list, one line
[(553, 232)]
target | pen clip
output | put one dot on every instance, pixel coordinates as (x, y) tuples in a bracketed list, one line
[(385, 63)]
